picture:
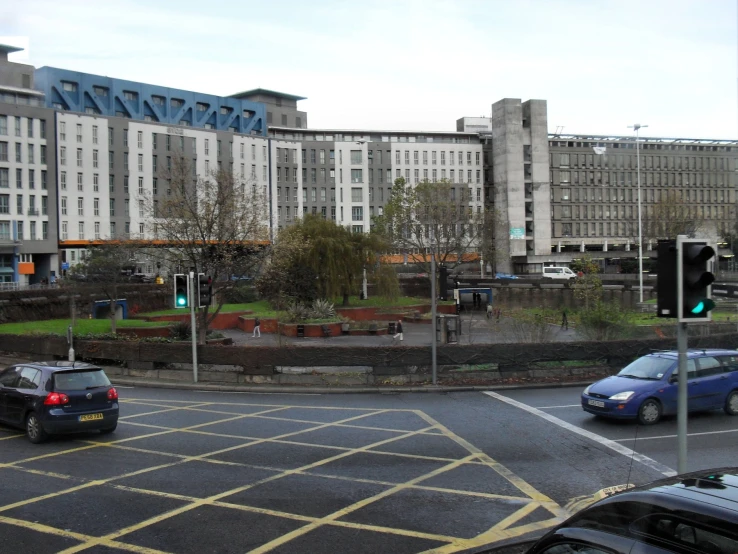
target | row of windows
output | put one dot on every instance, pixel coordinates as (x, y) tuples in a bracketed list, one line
[(699, 163), (30, 157), (341, 137), (20, 204), (31, 173), (566, 194), (644, 146), (5, 233), (434, 157), (96, 227), (357, 194), (17, 125), (621, 212), (630, 178), (600, 229)]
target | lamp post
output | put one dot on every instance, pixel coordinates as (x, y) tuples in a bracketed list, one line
[(636, 127), (434, 334)]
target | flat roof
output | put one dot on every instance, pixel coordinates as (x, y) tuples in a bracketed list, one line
[(268, 92), (603, 138), (9, 49)]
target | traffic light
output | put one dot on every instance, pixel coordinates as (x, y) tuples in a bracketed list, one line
[(181, 291), (694, 279), (666, 279), (204, 290)]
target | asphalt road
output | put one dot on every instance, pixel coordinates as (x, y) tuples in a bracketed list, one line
[(191, 471)]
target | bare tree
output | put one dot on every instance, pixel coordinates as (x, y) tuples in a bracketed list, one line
[(216, 224), (671, 216), (432, 217)]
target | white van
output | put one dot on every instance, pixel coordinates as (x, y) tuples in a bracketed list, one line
[(558, 273)]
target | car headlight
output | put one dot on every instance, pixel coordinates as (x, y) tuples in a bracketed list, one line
[(586, 391), (627, 395)]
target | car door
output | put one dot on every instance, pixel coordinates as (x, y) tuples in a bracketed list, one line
[(8, 380), (713, 383), (670, 391), (21, 394)]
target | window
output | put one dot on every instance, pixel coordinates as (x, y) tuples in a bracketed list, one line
[(95, 182), (356, 194), (79, 132), (125, 161), (81, 229), (356, 157), (79, 157), (126, 207), (96, 207), (4, 203), (30, 130), (357, 213), (44, 183), (21, 234), (3, 151), (44, 230), (4, 124), (356, 176), (140, 162), (80, 206), (125, 184), (79, 182), (17, 126), (140, 185)]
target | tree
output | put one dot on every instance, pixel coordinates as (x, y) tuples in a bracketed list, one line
[(330, 254), (216, 224), (671, 216), (432, 217), (106, 265), (588, 285)]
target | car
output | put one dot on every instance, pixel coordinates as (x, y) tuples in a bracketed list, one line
[(506, 276), (694, 513), (140, 278), (48, 398), (646, 389), (555, 272)]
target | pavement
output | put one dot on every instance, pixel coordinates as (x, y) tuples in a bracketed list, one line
[(475, 329)]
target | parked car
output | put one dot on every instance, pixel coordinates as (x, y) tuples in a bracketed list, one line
[(47, 398), (695, 513), (140, 278), (555, 272), (506, 276), (647, 388)]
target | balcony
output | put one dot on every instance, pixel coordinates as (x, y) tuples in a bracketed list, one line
[(32, 211)]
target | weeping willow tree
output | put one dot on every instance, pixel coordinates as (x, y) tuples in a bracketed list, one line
[(328, 258)]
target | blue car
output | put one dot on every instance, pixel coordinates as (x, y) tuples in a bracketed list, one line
[(647, 388)]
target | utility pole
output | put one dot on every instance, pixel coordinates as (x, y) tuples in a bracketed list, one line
[(434, 338), (193, 326)]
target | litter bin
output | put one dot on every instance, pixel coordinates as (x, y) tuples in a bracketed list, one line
[(391, 328), (452, 329), (300, 330)]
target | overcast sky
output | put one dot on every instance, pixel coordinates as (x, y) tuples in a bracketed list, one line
[(415, 64)]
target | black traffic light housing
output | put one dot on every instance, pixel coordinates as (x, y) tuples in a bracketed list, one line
[(181, 291), (694, 265), (666, 279), (204, 290)]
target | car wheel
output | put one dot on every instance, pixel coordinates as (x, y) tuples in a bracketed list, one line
[(108, 430), (731, 403), (649, 412), (34, 430)]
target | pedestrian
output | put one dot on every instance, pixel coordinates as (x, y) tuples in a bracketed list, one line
[(257, 327), (564, 320), (398, 328), (499, 311), (489, 310)]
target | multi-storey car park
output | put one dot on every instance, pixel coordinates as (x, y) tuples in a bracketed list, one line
[(80, 152)]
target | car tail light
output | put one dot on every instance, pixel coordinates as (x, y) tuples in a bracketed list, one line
[(56, 399), (112, 394)]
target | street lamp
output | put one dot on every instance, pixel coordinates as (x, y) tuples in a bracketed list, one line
[(636, 127)]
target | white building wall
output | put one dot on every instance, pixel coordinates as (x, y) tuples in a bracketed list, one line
[(83, 181)]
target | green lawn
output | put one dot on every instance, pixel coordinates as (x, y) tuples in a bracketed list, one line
[(261, 308), (82, 326)]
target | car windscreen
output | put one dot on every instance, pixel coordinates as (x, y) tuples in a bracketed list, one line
[(647, 367), (80, 380)]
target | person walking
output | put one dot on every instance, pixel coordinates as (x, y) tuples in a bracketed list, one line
[(489, 310), (257, 327), (398, 328), (564, 320)]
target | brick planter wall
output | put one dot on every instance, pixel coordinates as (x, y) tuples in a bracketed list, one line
[(246, 324), (221, 321), (379, 313), (314, 330), (145, 332)]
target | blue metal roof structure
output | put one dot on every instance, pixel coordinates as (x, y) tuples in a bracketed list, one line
[(98, 95)]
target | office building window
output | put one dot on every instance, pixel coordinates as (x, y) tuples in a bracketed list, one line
[(62, 155), (80, 206), (4, 124), (357, 176), (356, 194), (81, 230)]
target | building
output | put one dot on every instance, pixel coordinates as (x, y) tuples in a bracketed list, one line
[(81, 154), (28, 239)]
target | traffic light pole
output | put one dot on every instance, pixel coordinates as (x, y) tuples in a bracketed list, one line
[(682, 398), (193, 326)]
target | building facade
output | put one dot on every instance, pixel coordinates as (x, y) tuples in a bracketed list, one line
[(84, 157)]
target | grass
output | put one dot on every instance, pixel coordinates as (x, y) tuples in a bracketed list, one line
[(81, 327), (261, 308)]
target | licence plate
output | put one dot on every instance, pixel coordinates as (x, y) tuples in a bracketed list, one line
[(90, 417), (596, 403)]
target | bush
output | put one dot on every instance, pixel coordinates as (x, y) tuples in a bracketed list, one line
[(181, 330), (322, 309), (240, 294), (605, 321)]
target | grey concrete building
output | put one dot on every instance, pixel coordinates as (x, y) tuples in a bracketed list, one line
[(281, 108), (28, 223)]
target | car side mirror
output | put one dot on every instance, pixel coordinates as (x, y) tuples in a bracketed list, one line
[(674, 379)]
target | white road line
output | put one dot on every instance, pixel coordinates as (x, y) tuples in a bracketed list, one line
[(675, 436), (566, 406), (627, 452), (248, 392)]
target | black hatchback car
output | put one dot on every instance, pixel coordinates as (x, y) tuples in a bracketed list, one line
[(46, 398), (695, 513)]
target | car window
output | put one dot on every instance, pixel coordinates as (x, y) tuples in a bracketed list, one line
[(80, 380), (684, 532), (30, 378), (730, 363), (574, 548), (708, 366), (647, 367), (9, 377), (691, 370)]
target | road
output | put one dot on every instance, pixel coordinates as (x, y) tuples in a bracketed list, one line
[(191, 471)]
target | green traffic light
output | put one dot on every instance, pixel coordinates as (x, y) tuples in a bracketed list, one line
[(181, 301), (703, 306)]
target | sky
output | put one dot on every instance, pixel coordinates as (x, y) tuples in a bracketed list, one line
[(602, 65)]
